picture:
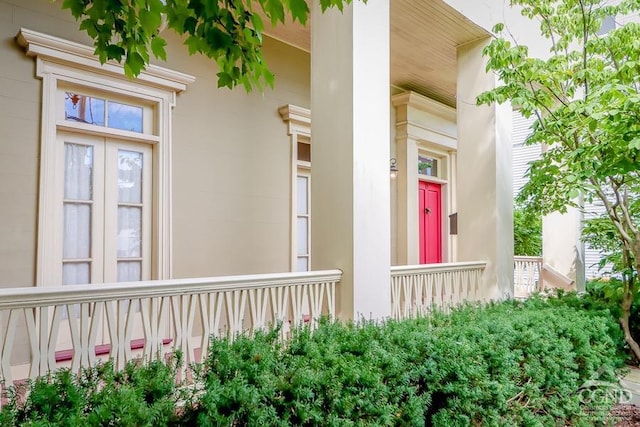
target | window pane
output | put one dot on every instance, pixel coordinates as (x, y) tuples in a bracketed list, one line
[(304, 152), (303, 236), (129, 271), (129, 232), (76, 273), (84, 109), (427, 166), (303, 189), (129, 176), (125, 117), (77, 231), (303, 264), (78, 174)]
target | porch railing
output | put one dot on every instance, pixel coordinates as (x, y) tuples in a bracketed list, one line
[(527, 275), (41, 326), (416, 289), (42, 329)]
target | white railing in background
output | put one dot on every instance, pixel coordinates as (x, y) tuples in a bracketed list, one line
[(527, 275), (38, 324), (416, 289)]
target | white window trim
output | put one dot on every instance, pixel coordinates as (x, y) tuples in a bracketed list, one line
[(298, 120), (59, 60)]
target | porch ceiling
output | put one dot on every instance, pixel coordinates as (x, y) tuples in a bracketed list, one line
[(424, 38)]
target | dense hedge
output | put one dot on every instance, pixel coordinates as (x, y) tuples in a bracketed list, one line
[(503, 364), (139, 395), (607, 292)]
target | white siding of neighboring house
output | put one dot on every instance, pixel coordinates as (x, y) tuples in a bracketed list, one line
[(592, 256), (522, 154)]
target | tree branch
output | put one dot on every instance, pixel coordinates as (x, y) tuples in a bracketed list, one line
[(623, 203), (611, 211)]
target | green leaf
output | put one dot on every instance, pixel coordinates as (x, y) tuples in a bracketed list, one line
[(190, 24), (274, 10), (299, 10), (89, 25), (258, 25), (225, 80), (573, 193), (133, 64), (150, 21), (76, 7), (114, 52), (158, 47)]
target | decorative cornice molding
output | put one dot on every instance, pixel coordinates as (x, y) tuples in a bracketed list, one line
[(297, 118), (57, 49), (425, 137), (291, 112), (420, 102)]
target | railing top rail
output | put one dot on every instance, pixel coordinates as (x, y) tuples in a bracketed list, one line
[(450, 266), (528, 258), (11, 298)]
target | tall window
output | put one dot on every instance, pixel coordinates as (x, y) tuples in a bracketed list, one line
[(298, 120), (303, 207), (106, 191), (104, 208)]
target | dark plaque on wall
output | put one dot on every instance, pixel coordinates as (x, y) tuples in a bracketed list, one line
[(453, 223)]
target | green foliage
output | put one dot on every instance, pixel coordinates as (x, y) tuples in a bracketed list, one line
[(527, 232), (139, 395), (586, 97), (601, 235), (599, 299), (608, 292), (229, 32), (506, 364)]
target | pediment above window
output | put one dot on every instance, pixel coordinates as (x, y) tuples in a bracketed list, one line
[(59, 50)]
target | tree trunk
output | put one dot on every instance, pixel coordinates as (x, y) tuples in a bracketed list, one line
[(627, 300)]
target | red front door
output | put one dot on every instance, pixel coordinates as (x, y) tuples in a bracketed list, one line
[(430, 218)]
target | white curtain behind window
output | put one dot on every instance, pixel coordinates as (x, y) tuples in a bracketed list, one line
[(78, 194), (129, 215), (302, 223)]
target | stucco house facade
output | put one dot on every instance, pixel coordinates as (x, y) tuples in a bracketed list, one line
[(168, 178)]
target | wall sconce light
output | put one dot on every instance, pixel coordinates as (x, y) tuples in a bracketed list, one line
[(393, 169)]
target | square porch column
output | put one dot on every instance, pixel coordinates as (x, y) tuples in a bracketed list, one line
[(350, 188), (484, 181)]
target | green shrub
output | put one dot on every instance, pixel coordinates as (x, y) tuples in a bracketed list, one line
[(139, 395), (506, 364), (605, 295), (609, 291)]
